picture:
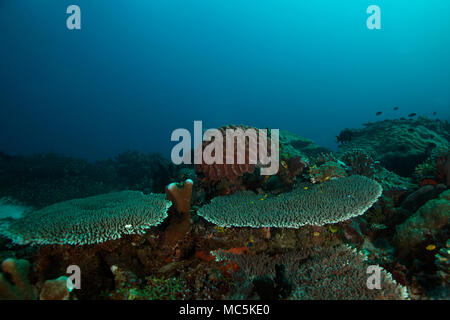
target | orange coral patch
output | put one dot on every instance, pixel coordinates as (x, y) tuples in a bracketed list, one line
[(425, 182)]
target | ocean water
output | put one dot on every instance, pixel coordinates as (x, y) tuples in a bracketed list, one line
[(87, 80), (137, 70)]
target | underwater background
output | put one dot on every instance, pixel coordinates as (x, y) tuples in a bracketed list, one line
[(92, 206), (137, 70)]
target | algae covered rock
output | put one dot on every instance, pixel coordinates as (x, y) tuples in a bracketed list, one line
[(430, 221), (399, 145)]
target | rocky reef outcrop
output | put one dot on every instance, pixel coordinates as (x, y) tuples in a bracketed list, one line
[(400, 145)]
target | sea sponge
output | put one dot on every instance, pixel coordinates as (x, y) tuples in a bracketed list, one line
[(55, 289), (89, 220), (330, 202), (180, 195), (19, 288)]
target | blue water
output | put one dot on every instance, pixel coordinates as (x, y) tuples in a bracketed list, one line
[(137, 70)]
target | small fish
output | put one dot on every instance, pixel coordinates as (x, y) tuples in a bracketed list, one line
[(316, 234), (395, 108), (434, 113), (306, 188), (430, 247), (284, 164), (412, 115), (333, 229), (403, 118), (411, 130), (378, 113)]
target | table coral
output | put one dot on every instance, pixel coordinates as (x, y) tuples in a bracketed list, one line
[(330, 202)]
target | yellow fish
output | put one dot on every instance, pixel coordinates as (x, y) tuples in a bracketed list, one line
[(333, 229), (316, 234), (284, 164), (430, 247)]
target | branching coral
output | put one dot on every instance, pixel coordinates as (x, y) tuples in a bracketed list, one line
[(340, 273), (89, 220), (330, 202), (324, 273)]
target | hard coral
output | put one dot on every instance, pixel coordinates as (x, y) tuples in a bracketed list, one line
[(399, 145), (323, 273), (330, 202), (89, 220), (341, 273)]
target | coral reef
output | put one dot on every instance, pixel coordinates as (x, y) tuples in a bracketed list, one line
[(292, 145), (333, 273), (330, 202), (286, 236), (360, 162), (429, 223), (89, 220), (42, 180), (341, 273), (328, 171), (399, 145), (55, 289), (143, 172)]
